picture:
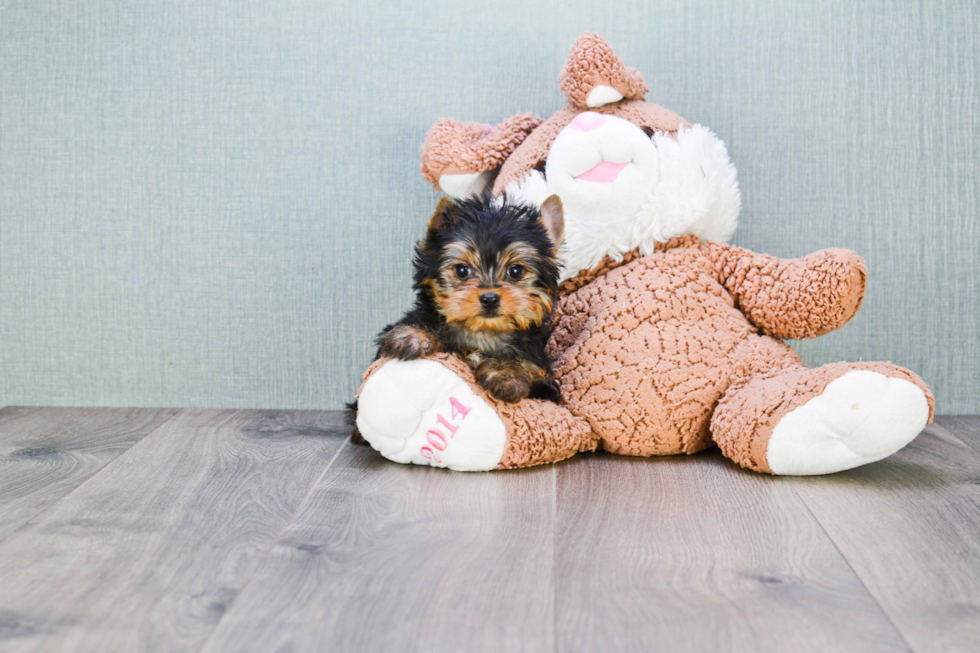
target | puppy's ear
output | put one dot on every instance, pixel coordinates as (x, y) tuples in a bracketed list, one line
[(442, 215), (553, 219)]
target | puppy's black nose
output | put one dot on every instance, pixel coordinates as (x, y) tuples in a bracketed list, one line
[(489, 300)]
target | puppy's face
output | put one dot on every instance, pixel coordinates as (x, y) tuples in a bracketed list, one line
[(490, 268), (491, 288)]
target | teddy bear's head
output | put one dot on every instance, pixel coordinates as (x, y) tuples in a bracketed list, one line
[(629, 173)]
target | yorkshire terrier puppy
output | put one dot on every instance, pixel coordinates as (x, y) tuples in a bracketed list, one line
[(485, 279)]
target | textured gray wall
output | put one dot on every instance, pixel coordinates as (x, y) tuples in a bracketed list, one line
[(213, 203)]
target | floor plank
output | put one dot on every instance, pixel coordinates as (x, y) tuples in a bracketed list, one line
[(248, 531), (386, 557), (47, 452), (910, 528), (963, 427), (148, 554), (695, 554)]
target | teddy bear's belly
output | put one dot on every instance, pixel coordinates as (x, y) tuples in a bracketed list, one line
[(645, 356)]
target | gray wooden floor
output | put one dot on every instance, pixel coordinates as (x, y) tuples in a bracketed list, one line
[(195, 530)]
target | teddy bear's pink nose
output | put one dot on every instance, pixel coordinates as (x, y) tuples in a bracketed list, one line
[(588, 120)]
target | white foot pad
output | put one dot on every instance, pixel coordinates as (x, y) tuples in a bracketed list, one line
[(859, 418), (420, 412)]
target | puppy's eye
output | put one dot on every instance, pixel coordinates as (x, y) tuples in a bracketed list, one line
[(463, 271), (515, 272)]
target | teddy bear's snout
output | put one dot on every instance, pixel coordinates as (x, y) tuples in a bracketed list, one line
[(588, 120)]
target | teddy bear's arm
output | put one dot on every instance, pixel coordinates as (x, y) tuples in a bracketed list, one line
[(793, 298)]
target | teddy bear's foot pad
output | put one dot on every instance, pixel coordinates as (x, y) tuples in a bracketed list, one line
[(420, 412), (859, 418)]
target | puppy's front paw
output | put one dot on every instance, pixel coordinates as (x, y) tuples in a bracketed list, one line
[(548, 391), (406, 342), (503, 380)]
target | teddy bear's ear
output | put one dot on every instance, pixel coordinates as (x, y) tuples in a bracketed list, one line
[(460, 158), (594, 75)]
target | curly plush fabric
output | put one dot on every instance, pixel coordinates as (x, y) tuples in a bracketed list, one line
[(646, 348), (541, 432), (643, 351), (588, 276), (453, 147), (800, 298), (592, 62)]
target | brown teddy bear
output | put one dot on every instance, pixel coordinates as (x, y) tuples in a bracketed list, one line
[(664, 339)]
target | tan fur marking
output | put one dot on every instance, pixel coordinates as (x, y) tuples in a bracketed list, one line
[(522, 305)]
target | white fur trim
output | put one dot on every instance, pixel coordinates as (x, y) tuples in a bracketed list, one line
[(697, 194), (465, 186), (671, 187), (859, 418), (601, 95), (403, 401), (533, 189)]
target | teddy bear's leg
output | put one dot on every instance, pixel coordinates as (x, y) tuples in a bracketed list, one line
[(432, 412), (798, 421)]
